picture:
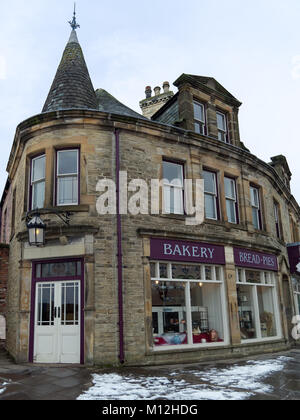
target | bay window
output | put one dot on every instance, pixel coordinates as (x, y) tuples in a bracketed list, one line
[(67, 177), (256, 207), (199, 118), (222, 127), (257, 305), (173, 191), (188, 305), (37, 182), (211, 195), (231, 200)]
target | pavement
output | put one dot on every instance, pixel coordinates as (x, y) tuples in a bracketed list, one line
[(42, 382)]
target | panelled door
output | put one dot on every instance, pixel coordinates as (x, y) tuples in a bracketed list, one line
[(57, 322)]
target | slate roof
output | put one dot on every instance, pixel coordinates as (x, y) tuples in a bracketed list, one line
[(72, 87), (108, 103)]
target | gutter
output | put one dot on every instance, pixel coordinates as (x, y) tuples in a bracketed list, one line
[(120, 253)]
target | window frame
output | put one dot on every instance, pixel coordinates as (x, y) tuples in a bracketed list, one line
[(57, 176), (170, 185), (216, 195), (235, 200), (257, 208), (277, 216), (223, 299), (203, 123), (32, 183), (221, 130), (268, 280)]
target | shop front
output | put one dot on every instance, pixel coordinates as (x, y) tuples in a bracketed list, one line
[(294, 259), (189, 307), (257, 295)]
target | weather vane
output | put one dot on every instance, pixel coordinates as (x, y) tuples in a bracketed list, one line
[(73, 23)]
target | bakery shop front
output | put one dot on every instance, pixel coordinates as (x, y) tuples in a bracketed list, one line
[(188, 294), (257, 295)]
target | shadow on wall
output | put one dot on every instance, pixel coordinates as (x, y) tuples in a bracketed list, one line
[(2, 328)]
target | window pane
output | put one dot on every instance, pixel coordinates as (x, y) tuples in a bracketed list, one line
[(181, 271), (254, 197), (207, 319), (38, 195), (38, 169), (163, 271), (68, 190), (229, 188), (199, 112), (59, 269), (173, 171), (169, 313), (253, 276), (209, 182), (246, 312), (221, 120), (255, 218), (210, 207), (230, 207), (45, 302), (266, 312), (67, 162)]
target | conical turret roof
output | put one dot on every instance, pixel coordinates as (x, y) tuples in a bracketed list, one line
[(72, 87)]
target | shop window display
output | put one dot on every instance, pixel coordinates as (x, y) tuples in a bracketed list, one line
[(188, 307), (257, 304)]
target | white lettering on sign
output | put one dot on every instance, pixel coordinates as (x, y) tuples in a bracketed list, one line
[(189, 251), (251, 258)]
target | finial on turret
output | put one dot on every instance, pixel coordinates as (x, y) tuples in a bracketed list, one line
[(73, 23)]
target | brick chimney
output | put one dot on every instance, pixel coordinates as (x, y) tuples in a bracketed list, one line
[(152, 104)]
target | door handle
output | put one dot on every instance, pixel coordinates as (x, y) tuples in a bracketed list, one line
[(55, 312), (58, 316)]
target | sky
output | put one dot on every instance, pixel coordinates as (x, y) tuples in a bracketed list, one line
[(251, 47)]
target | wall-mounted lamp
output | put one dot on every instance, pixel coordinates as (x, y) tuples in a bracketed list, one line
[(36, 227)]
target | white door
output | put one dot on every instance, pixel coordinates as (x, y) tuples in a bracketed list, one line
[(57, 322)]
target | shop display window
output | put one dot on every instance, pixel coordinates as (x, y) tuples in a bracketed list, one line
[(296, 289), (257, 304), (188, 307)]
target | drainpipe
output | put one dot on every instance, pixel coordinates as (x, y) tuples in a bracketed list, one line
[(119, 255)]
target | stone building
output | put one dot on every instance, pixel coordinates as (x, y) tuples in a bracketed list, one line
[(144, 288)]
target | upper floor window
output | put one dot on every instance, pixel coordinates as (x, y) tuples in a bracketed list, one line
[(210, 195), (231, 200), (222, 127), (277, 219), (67, 177), (173, 175), (256, 207), (199, 118), (37, 182)]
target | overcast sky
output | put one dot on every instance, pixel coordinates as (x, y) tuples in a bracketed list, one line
[(251, 47)]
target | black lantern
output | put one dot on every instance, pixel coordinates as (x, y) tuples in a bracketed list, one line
[(36, 231)]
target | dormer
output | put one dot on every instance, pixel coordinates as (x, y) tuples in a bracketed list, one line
[(204, 106)]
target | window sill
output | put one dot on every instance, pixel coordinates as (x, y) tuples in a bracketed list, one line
[(174, 216), (187, 347)]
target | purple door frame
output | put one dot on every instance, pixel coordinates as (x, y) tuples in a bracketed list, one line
[(36, 280)]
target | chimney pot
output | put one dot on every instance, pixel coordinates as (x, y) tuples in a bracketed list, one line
[(148, 92), (166, 87), (157, 90)]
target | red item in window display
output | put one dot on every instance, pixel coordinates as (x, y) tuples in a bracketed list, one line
[(213, 336)]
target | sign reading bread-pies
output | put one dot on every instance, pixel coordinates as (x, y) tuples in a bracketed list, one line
[(253, 259)]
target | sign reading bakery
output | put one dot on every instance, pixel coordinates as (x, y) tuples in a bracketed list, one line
[(195, 252), (252, 259)]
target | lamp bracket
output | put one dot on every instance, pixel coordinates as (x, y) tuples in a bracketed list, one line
[(62, 215)]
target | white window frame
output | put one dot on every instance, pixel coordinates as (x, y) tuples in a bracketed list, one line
[(201, 123), (268, 279), (174, 185), (231, 199), (222, 132), (189, 308), (256, 206), (212, 194), (58, 152), (36, 181)]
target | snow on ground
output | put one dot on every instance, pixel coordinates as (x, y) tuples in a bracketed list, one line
[(3, 387), (237, 382)]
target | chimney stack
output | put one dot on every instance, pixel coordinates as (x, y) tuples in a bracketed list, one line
[(152, 104)]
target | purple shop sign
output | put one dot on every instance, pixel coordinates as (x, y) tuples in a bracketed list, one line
[(195, 252), (294, 257), (253, 259)]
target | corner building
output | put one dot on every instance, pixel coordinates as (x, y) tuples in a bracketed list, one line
[(147, 288)]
